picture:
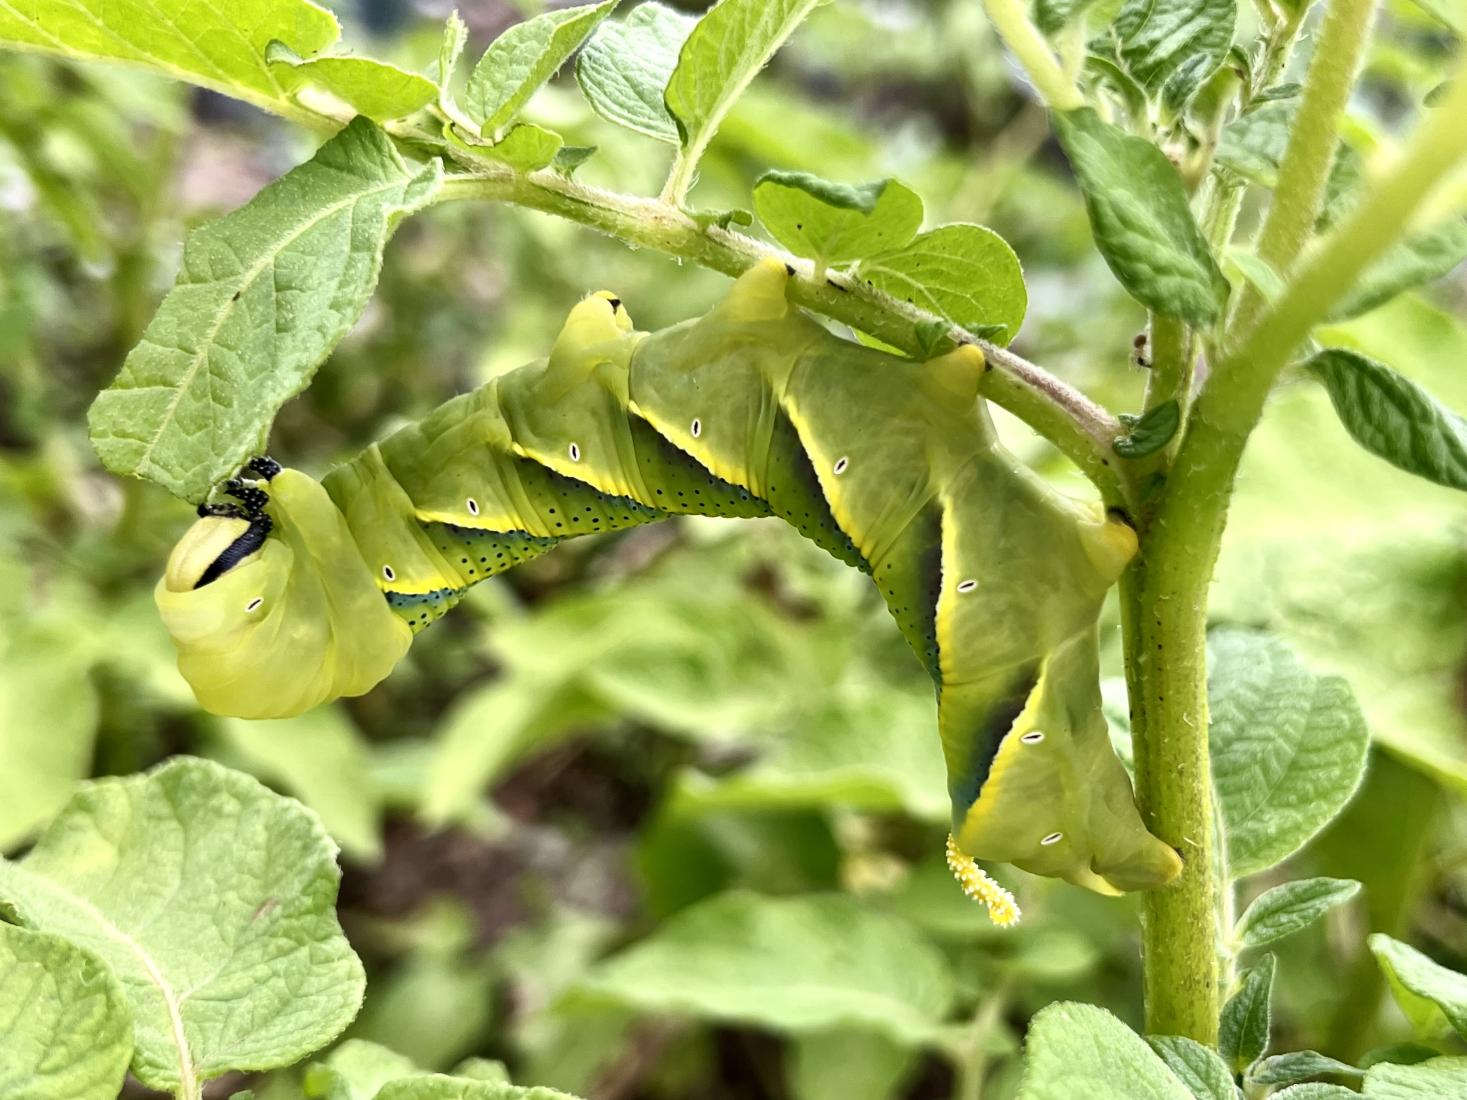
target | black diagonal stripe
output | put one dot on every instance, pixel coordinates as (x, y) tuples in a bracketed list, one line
[(990, 734), (237, 551)]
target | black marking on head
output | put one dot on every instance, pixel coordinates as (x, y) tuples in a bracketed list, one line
[(990, 735), (614, 303), (1033, 737), (1052, 838), (238, 550), (253, 499), (789, 269)]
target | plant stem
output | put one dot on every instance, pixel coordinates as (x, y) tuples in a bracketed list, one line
[(973, 1061), (1304, 173), (1164, 626), (1077, 426), (1164, 596), (1011, 19)]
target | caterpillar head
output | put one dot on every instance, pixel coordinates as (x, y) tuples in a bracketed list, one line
[(273, 609)]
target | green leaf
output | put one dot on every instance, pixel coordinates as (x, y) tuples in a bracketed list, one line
[(451, 47), (721, 56), (1172, 47), (1243, 1028), (1076, 1050), (373, 88), (356, 1070), (1298, 1065), (1435, 1079), (803, 964), (1196, 1066), (1150, 432), (1053, 15), (48, 723), (441, 1087), (218, 46), (482, 1069), (1253, 147), (1419, 259), (526, 147), (319, 758), (570, 157), (1141, 219), (935, 338), (487, 730), (1394, 418), (1316, 1091), (1105, 73), (1402, 1054), (1288, 747), (1290, 907), (212, 900), (263, 296), (834, 223), (523, 58), (1276, 93), (1432, 997), (67, 1033), (625, 67), (721, 218), (861, 749), (964, 272), (847, 1065)]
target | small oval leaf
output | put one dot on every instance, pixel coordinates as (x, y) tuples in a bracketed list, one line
[(1141, 219), (1298, 1065), (1151, 432), (624, 69), (523, 58), (1394, 418), (1290, 907), (1243, 1029), (1429, 994)]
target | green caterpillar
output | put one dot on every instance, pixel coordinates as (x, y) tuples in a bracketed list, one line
[(277, 605)]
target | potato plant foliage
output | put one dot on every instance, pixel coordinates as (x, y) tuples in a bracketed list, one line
[(1119, 342)]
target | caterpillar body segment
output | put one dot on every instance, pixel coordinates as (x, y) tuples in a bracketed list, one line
[(755, 409)]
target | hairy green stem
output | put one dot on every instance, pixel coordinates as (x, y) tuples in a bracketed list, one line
[(1299, 193), (1164, 600), (1011, 19), (1078, 427)]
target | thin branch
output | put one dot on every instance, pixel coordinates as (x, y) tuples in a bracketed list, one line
[(1011, 19), (1304, 171), (1078, 427)]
